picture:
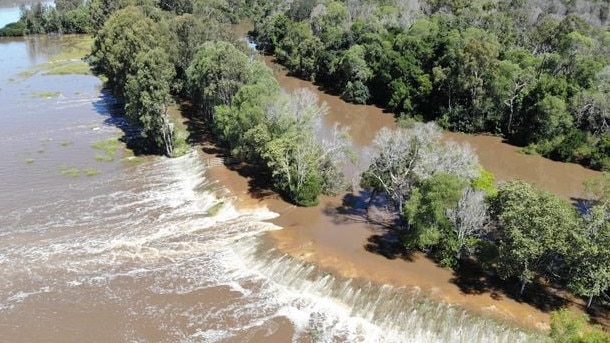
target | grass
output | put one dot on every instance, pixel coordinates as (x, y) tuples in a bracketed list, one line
[(68, 62), (108, 148), (45, 94), (28, 73), (70, 59), (70, 171), (76, 48), (91, 171), (69, 68), (76, 172), (66, 143), (103, 158)]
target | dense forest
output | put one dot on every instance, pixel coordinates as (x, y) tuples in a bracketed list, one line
[(535, 72), (538, 75)]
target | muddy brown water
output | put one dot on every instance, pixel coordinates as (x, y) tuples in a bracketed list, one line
[(160, 250)]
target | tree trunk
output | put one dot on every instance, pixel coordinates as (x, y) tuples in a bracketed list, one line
[(522, 288), (590, 301)]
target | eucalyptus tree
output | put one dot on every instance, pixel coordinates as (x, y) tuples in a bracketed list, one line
[(532, 231), (126, 32), (216, 74), (303, 167), (404, 157), (470, 220), (147, 96), (589, 257)]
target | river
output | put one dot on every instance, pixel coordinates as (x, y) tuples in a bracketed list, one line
[(99, 246)]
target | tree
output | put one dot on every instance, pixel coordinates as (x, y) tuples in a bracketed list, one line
[(237, 123), (216, 74), (299, 50), (177, 6), (469, 219), (591, 107), (589, 258), (147, 95), (533, 228), (100, 12), (302, 167), (127, 31), (401, 158), (598, 189), (430, 228), (353, 74), (189, 33)]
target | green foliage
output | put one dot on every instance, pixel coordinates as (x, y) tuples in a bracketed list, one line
[(67, 16), (533, 228), (216, 74), (13, 29), (108, 149), (147, 97), (570, 327), (485, 182), (127, 31), (470, 66), (429, 226), (589, 256)]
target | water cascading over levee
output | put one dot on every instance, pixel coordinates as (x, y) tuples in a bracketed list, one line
[(333, 308)]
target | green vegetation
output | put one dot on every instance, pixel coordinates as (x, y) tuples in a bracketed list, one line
[(45, 94), (108, 148), (71, 60), (76, 172), (70, 171), (69, 68), (67, 16), (29, 160), (214, 209), (449, 208), (467, 65), (570, 327), (170, 52), (90, 171)]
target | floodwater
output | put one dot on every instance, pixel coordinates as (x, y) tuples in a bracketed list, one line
[(123, 249), (502, 159)]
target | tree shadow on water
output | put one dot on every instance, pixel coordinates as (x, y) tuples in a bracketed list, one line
[(359, 207), (472, 279), (110, 107)]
